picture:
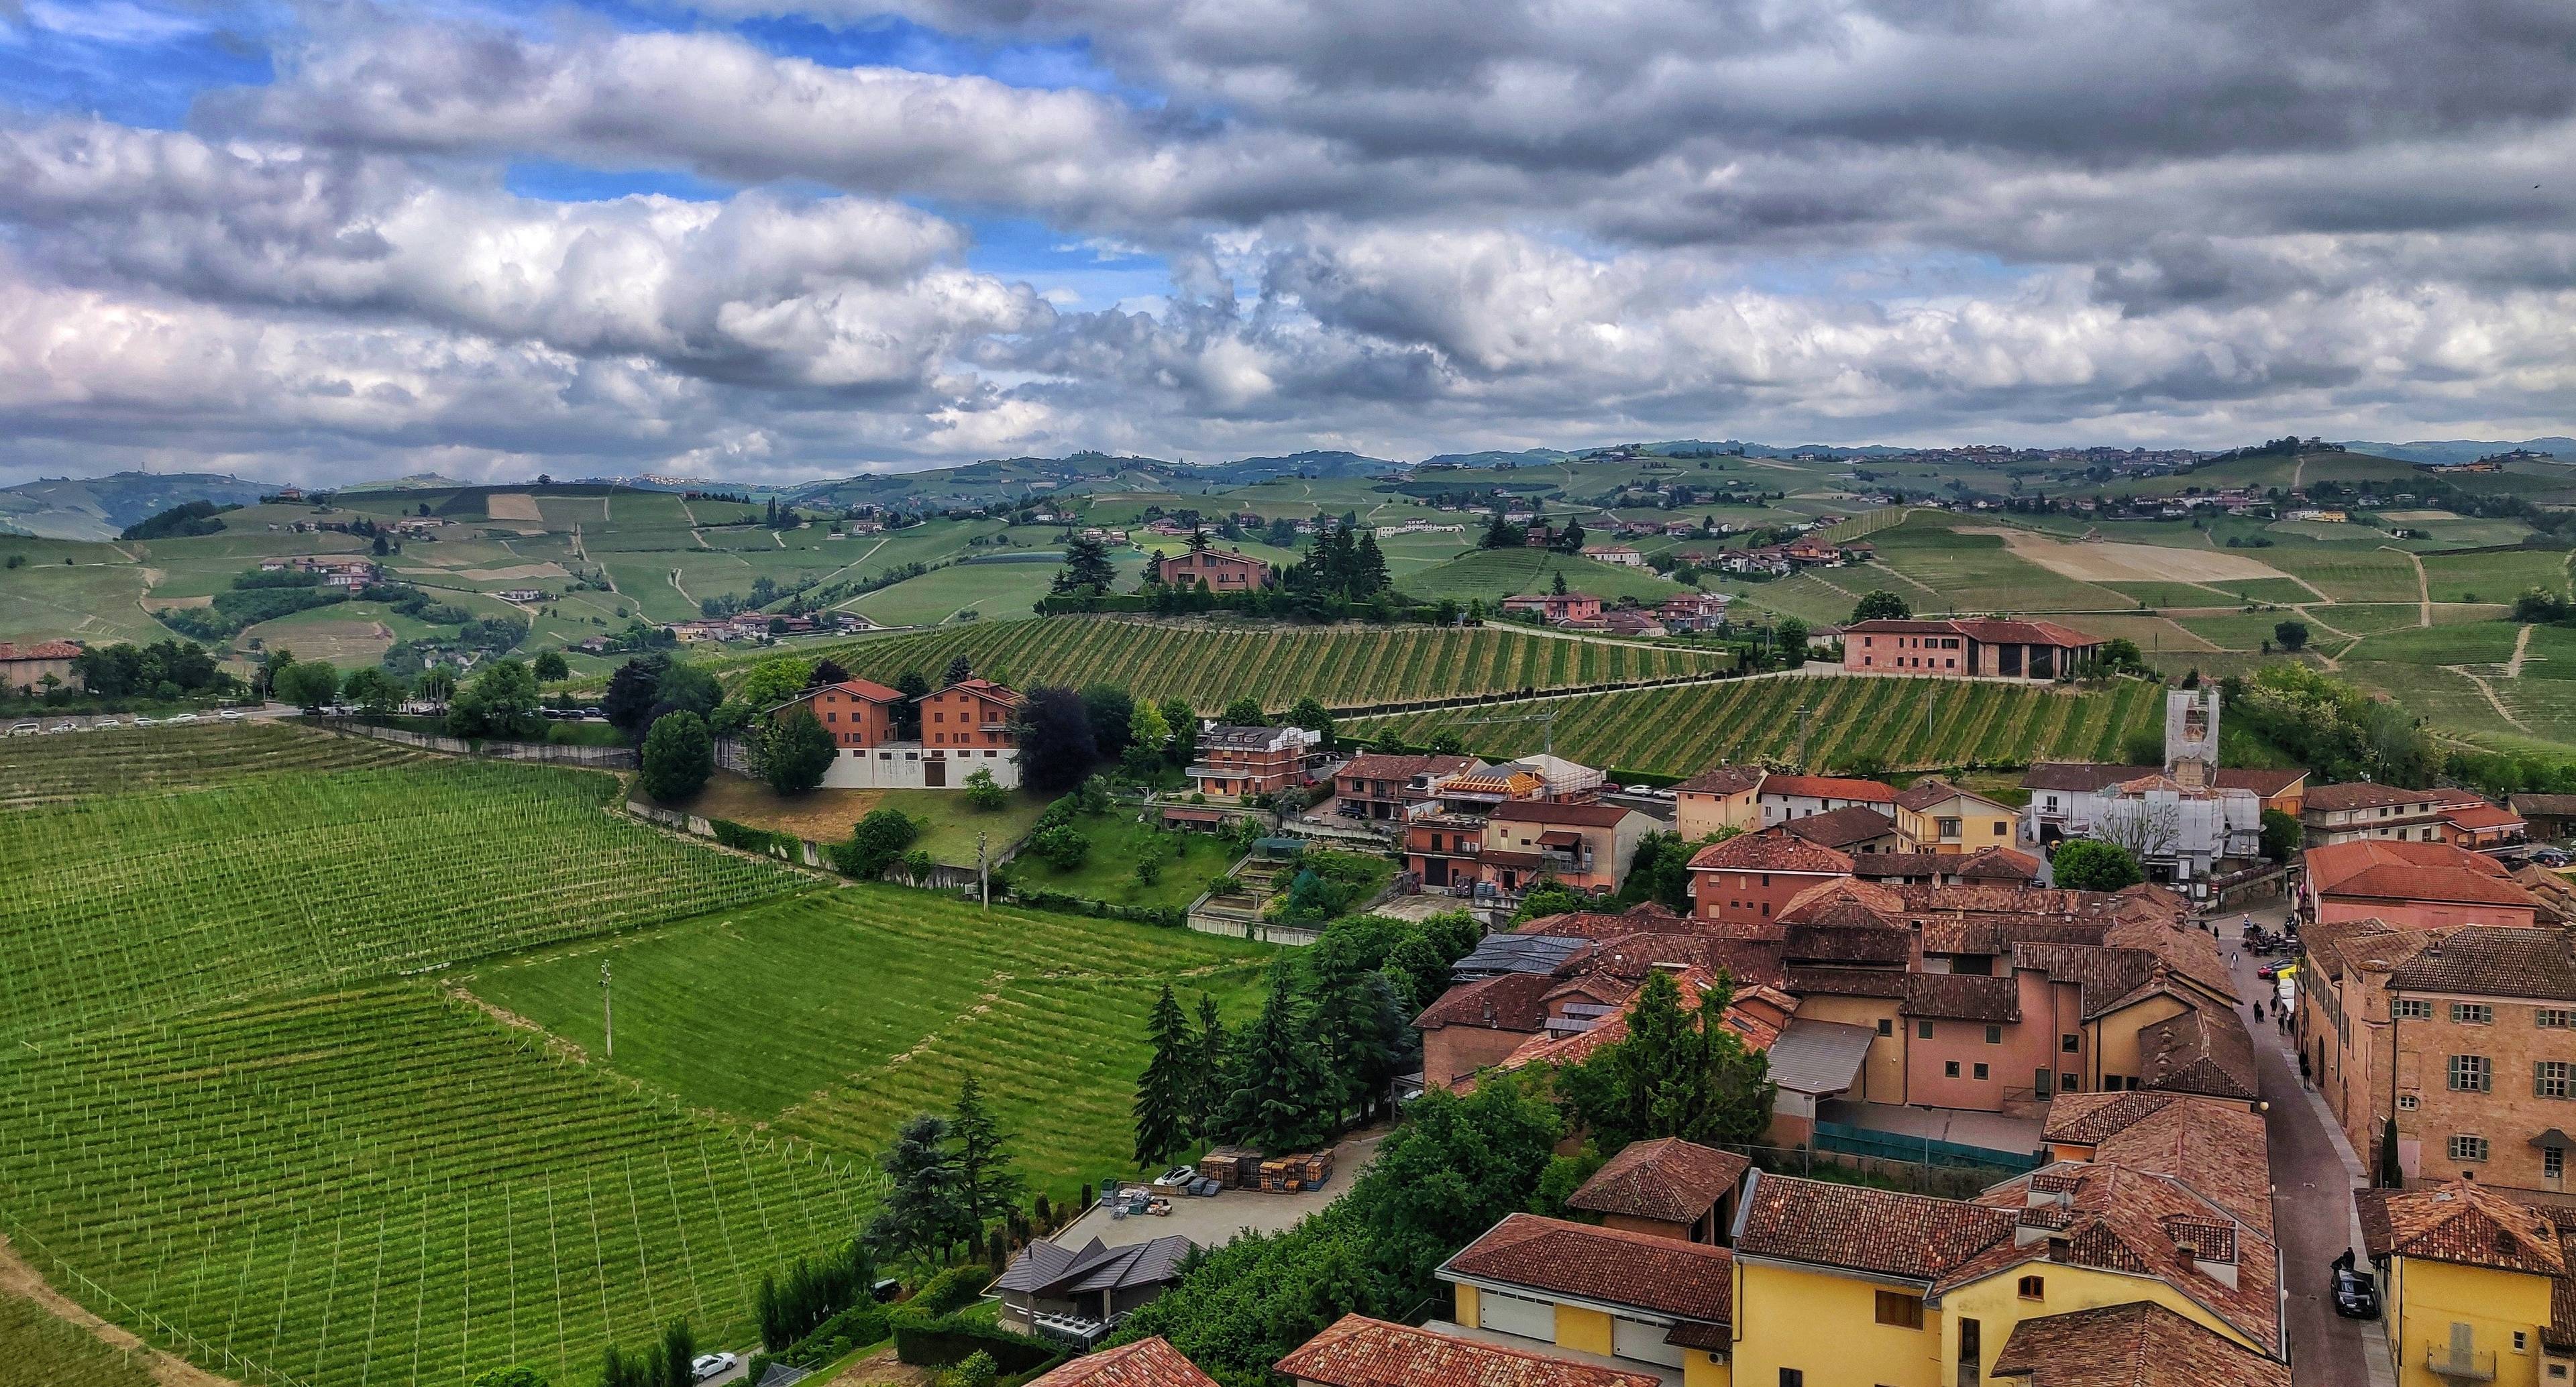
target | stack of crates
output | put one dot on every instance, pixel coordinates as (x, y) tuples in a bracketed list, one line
[(1232, 1167), (1283, 1174), (1319, 1170)]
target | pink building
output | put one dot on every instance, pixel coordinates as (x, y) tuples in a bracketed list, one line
[(1988, 1043), (2411, 885)]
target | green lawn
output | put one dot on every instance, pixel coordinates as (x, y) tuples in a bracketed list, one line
[(1977, 572), (1118, 842), (2498, 577), (950, 838), (991, 591), (1494, 574)]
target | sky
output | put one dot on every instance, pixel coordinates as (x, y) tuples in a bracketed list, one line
[(762, 240)]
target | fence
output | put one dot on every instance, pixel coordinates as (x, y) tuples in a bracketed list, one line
[(598, 757), (1912, 1150)]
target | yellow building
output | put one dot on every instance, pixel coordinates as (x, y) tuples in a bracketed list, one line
[(1720, 797), (1934, 815), (1630, 1301), (2466, 1281)]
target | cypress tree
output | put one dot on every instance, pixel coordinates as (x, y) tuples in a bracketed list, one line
[(1207, 1077), (987, 1184), (1163, 1091), (1282, 1096)]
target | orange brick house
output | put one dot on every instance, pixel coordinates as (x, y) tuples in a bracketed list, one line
[(2411, 884), (859, 713), (1750, 878), (965, 728), (1223, 570)]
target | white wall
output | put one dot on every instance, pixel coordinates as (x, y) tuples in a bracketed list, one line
[(899, 766)]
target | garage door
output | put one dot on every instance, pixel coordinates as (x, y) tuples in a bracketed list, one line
[(1643, 1342), (1511, 1314)]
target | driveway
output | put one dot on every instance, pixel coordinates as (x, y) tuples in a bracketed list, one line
[(2314, 1173)]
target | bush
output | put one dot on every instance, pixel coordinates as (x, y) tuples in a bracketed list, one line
[(679, 756), (1060, 846), (2091, 865), (986, 793), (953, 1289), (875, 842), (974, 1370)]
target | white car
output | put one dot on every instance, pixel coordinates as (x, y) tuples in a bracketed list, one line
[(707, 1365), (145, 722), (25, 729), (230, 715), (67, 727), (183, 717), (105, 725)]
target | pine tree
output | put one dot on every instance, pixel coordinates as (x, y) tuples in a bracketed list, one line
[(960, 669), (989, 1187), (1207, 1071), (1163, 1091), (1281, 1096), (924, 1213), (1368, 573)]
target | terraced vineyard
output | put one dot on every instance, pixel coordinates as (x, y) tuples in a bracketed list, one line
[(39, 770), (385, 1187), (128, 906), (1853, 722), (1343, 666)]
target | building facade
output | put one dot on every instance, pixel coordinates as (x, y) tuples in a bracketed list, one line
[(1223, 570), (1239, 762), (1970, 647)]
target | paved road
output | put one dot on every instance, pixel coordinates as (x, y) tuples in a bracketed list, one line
[(2312, 1212)]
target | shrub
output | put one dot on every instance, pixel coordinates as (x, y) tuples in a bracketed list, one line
[(875, 842), (679, 756), (974, 1370), (1060, 846)]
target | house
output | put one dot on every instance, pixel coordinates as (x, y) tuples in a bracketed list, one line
[(1933, 815), (1585, 846), (1693, 611), (859, 713), (2550, 816), (1357, 1351), (1978, 647), (1785, 797), (2135, 1344), (1666, 1187), (965, 728), (1747, 879), (24, 667), (1623, 622), (1716, 798), (1639, 1298), (1238, 762), (2464, 1035), (1382, 787), (1149, 1362), (521, 594), (2410, 885), (1222, 570), (1556, 608), (2470, 1284), (1079, 1295), (1857, 830), (1619, 554), (2484, 827), (2343, 813)]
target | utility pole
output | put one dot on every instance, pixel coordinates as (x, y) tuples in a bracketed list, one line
[(607, 1013), (983, 880)]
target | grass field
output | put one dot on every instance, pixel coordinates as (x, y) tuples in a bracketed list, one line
[(826, 816), (1954, 571), (2499, 577), (1494, 574), (1189, 862), (992, 591), (1344, 666), (1895, 724), (848, 1011)]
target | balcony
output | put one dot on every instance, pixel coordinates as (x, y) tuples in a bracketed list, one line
[(2453, 1364)]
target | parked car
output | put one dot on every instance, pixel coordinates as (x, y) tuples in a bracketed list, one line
[(2270, 971), (2356, 1294), (67, 726), (230, 715), (1639, 790), (146, 722), (707, 1365), (105, 724), (25, 729), (2550, 857), (183, 717)]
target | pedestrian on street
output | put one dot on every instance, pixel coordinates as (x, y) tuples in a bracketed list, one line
[(2231, 958)]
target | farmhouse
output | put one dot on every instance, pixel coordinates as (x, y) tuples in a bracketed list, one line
[(2346, 813), (965, 728), (25, 668), (1693, 611), (1556, 608), (1970, 647), (1619, 554), (1222, 570), (1382, 787), (1238, 762)]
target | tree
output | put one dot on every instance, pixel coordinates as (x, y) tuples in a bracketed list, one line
[(435, 684), (1309, 713), (1556, 583), (2143, 747), (1109, 709), (1060, 846), (2089, 864), (1502, 534), (1359, 1018), (1198, 540), (1455, 1168), (1793, 639), (1162, 1106), (876, 841), (308, 684), (679, 1354), (1149, 734), (1679, 1072), (2292, 636), (679, 757), (960, 669), (1056, 745), (684, 687), (1549, 898), (372, 689), (1086, 567), (500, 702), (2144, 828), (795, 752), (551, 669), (1660, 873), (985, 793), (1184, 722), (1568, 540), (1281, 1097), (914, 687), (988, 1187), (2392, 1171), (772, 682), (628, 704), (2281, 835), (1207, 1071), (924, 1212), (1244, 712), (1878, 604)]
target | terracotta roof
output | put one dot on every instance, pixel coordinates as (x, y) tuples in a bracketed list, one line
[(1541, 811), (1810, 980), (1379, 766), (1596, 924), (986, 690), (2216, 1147), (1999, 864), (1646, 1270), (2364, 795), (2083, 1119), (1506, 1002), (1995, 934), (2006, 631), (2099, 974), (1668, 1178), (2492, 961), (2460, 1221), (1878, 944), (1932, 790), (1961, 997), (1145, 1363), (41, 650), (1357, 1351), (2191, 953), (1722, 780), (2482, 816), (2385, 869), (2368, 946), (2555, 806), (2261, 780), (1749, 962), (2199, 1051), (1771, 850), (2079, 776), (1841, 828), (2139, 1344), (868, 689), (1829, 787), (1907, 866), (1912, 1236)]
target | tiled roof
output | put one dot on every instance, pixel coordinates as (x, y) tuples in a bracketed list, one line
[(1771, 850), (2364, 795), (1754, 1030), (1999, 864), (1932, 790), (867, 689), (1507, 1002), (2461, 1221), (1841, 828), (2005, 631), (2138, 1344), (1863, 1229), (1807, 980), (2493, 961), (1357, 1351), (2409, 871), (1145, 1363), (1722, 780), (1667, 1178), (2192, 953), (2079, 776), (2371, 946), (2482, 816), (1649, 1271), (2555, 806), (1843, 901), (1595, 924), (1906, 866), (2085, 1118), (1868, 944), (2260, 780), (2216, 1147), (1748, 961), (1996, 934), (1541, 811), (1961, 997), (2199, 1051), (987, 690), (1380, 766), (1829, 787), (41, 650)]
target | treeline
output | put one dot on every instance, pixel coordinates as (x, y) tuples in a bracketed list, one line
[(2329, 726), (180, 522), (165, 669)]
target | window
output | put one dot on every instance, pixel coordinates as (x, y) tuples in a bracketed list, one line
[(2069, 1044), (2411, 1009), (1949, 827), (1981, 1071), (2519, 1340), (1999, 828), (2553, 1018), (2549, 1078), (1791, 1377), (2034, 1288), (2553, 1161), (1901, 1310), (2070, 1082), (1922, 1030), (2472, 1013), (2471, 1074), (2468, 1148), (1994, 1035), (1949, 1069), (2407, 1102), (1886, 1026)]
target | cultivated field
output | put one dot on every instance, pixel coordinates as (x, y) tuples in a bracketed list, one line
[(1854, 722), (34, 770), (1494, 574), (1343, 666), (2111, 562)]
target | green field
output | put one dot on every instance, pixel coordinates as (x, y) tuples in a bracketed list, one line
[(844, 1013), (39, 1350), (1953, 571), (1895, 724), (1345, 666), (1494, 574), (1189, 860), (36, 770), (993, 591)]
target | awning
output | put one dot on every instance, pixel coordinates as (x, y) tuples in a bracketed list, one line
[(1559, 838), (1820, 1058), (2553, 1138)]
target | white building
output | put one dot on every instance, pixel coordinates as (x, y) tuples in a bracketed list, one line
[(2178, 820)]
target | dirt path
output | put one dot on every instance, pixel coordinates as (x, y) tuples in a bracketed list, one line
[(675, 586), (21, 1281), (1883, 568), (2423, 586), (2488, 689), (2521, 647)]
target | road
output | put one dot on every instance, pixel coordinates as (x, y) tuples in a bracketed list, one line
[(2312, 1185)]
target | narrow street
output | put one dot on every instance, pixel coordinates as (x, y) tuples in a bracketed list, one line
[(2313, 1177)]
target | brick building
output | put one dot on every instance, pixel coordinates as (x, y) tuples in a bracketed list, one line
[(1381, 787), (1750, 878), (1235, 762), (965, 728), (1970, 647), (2418, 884), (1223, 570), (1557, 608), (2346, 813), (1785, 797)]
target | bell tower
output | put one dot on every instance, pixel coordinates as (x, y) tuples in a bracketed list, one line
[(2191, 736)]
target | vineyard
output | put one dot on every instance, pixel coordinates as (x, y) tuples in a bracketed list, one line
[(385, 1187), (1343, 666), (39, 1350), (1895, 724), (37, 770), (130, 906)]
